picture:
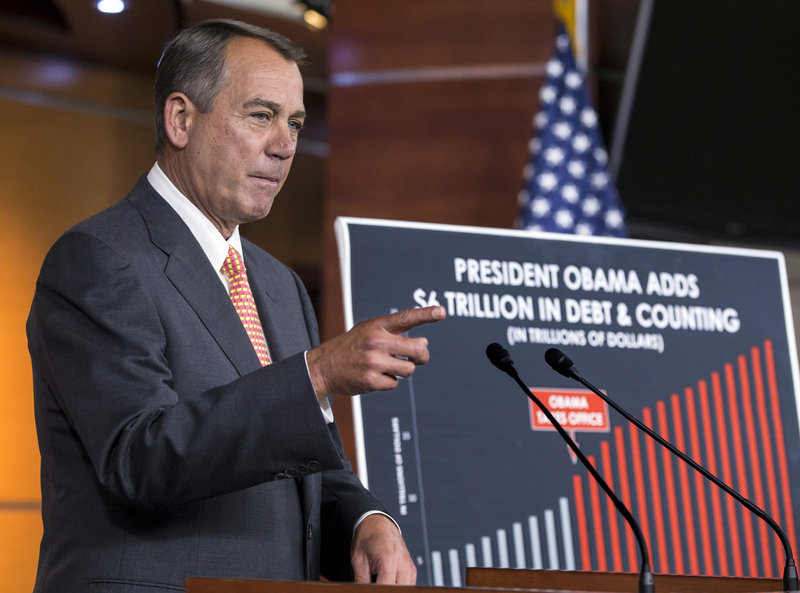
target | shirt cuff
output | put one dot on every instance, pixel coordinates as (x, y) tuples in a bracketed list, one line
[(324, 406), (367, 514)]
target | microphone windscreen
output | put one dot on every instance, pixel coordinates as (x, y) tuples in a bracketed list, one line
[(560, 362), (499, 357)]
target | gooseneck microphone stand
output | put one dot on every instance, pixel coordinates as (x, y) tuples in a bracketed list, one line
[(500, 358)]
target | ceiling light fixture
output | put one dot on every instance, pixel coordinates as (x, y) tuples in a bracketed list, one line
[(315, 20), (315, 13), (110, 6)]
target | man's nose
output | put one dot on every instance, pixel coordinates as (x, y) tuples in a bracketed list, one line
[(283, 143)]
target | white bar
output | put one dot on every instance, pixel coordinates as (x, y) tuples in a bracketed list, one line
[(519, 545), (436, 565), (566, 533), (472, 558), (502, 548), (486, 548), (552, 543), (536, 544), (455, 568)]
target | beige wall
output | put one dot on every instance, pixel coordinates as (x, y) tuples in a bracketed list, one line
[(68, 148)]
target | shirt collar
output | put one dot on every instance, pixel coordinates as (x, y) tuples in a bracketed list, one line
[(211, 240)]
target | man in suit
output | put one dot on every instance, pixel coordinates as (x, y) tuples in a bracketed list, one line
[(175, 441)]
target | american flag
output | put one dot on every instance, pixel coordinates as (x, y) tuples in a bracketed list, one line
[(567, 185)]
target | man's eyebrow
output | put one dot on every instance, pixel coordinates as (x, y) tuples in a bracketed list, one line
[(272, 106), (258, 102)]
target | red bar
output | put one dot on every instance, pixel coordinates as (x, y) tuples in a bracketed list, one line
[(755, 466), (655, 491), (699, 482), (736, 433), (599, 539), (780, 443), (686, 492), (638, 478), (625, 494), (770, 569), (727, 477), (580, 515), (613, 526), (669, 488)]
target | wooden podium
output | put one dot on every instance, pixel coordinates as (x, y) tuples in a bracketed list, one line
[(204, 585), (562, 580), (498, 580)]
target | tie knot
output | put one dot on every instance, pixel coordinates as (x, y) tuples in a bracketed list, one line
[(233, 266)]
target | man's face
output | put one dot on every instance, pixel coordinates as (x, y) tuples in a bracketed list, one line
[(238, 154)]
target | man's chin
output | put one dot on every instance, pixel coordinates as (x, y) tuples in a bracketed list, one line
[(259, 209)]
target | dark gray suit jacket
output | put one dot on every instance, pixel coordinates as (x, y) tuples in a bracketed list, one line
[(167, 450)]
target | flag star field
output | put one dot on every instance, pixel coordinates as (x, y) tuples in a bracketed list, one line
[(567, 185)]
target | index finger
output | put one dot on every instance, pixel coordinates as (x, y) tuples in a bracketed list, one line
[(402, 321)]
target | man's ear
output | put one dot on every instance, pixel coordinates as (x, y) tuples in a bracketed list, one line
[(178, 114)]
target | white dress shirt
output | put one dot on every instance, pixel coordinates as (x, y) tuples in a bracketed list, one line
[(214, 245)]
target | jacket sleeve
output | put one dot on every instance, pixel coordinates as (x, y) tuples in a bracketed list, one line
[(98, 347)]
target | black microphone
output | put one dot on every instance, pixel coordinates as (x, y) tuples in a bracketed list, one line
[(500, 358), (561, 363)]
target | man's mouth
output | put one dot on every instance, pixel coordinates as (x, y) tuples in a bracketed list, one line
[(268, 178)]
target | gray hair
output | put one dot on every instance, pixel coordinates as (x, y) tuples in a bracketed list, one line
[(193, 63)]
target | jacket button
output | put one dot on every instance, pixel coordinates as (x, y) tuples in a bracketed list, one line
[(291, 473), (280, 476), (302, 469), (313, 465)]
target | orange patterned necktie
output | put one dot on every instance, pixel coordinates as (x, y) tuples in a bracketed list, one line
[(243, 302)]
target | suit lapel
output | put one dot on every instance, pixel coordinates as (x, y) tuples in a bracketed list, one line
[(190, 272), (278, 301), (267, 310)]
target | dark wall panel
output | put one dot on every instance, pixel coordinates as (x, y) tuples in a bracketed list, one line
[(444, 152), (429, 113), (381, 35)]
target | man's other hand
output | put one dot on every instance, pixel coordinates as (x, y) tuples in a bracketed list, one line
[(379, 550)]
